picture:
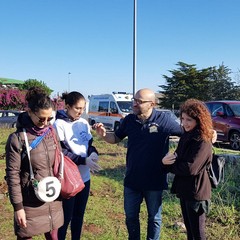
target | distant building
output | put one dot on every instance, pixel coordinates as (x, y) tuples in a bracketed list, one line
[(6, 83)]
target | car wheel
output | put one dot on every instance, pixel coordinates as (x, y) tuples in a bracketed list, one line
[(235, 140), (92, 122)]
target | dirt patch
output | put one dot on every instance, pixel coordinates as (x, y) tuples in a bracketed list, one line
[(3, 187), (94, 229), (2, 156)]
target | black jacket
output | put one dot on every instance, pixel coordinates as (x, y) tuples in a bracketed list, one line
[(191, 181)]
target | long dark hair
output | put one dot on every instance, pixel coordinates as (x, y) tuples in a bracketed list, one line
[(72, 98)]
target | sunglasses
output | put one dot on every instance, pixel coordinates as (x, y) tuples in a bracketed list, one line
[(42, 120), (139, 101)]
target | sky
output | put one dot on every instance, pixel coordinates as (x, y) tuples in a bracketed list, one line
[(87, 45)]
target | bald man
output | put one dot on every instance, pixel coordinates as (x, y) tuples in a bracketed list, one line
[(148, 132)]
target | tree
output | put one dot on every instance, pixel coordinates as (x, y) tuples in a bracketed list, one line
[(222, 86), (35, 83), (187, 81)]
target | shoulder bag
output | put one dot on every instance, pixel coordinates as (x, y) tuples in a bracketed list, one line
[(216, 170), (68, 174)]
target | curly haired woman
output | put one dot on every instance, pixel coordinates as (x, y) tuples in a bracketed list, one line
[(191, 183)]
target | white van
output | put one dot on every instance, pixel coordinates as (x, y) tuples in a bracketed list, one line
[(109, 109)]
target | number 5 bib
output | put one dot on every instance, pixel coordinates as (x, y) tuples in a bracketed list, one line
[(47, 189)]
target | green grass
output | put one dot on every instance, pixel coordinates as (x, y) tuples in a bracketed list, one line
[(104, 217)]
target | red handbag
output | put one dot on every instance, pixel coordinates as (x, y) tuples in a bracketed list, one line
[(68, 174)]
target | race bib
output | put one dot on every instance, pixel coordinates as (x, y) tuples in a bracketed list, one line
[(47, 189)]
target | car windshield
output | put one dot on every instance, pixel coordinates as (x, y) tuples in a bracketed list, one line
[(125, 106), (235, 108)]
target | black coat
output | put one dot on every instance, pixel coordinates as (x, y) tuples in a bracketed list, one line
[(191, 181)]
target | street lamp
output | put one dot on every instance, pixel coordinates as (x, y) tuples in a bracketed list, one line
[(134, 44), (69, 82)]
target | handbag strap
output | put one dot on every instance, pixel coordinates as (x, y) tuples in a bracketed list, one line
[(28, 153), (61, 166), (33, 145), (58, 151), (38, 139)]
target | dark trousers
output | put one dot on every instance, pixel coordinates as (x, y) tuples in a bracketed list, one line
[(74, 209), (194, 221)]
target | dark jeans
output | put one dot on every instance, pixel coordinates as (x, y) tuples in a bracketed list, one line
[(132, 204), (74, 209), (194, 221)]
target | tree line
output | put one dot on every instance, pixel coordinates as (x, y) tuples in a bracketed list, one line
[(13, 98), (212, 83)]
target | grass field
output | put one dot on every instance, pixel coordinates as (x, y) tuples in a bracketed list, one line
[(104, 217)]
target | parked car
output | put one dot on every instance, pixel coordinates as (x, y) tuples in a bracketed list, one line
[(8, 118), (171, 113), (226, 121)]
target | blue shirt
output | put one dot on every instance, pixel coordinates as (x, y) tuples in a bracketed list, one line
[(148, 143)]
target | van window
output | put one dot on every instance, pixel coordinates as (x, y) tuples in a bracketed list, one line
[(113, 107), (125, 106), (103, 107)]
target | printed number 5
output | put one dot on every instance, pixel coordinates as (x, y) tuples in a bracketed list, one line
[(50, 189)]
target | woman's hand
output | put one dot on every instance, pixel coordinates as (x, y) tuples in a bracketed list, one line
[(214, 139), (94, 156), (91, 162), (169, 159), (20, 218)]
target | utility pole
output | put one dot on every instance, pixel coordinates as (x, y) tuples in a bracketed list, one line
[(134, 44), (69, 82)]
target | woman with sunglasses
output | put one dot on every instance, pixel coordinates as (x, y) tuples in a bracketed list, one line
[(31, 215)]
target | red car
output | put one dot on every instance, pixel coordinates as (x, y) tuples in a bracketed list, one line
[(226, 121)]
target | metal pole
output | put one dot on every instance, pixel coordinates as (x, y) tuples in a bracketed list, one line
[(134, 44), (69, 82)]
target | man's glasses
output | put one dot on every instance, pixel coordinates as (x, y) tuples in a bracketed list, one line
[(42, 120), (139, 101)]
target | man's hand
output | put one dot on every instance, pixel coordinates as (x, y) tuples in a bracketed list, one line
[(109, 136), (100, 129)]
